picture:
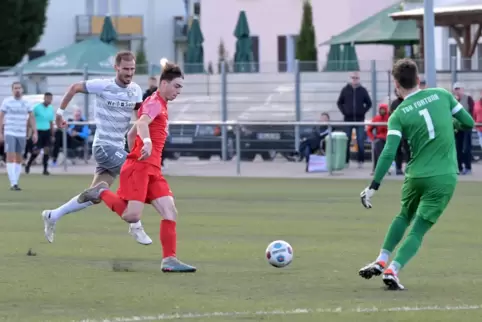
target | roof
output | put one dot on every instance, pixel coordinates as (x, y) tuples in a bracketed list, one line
[(379, 29), (417, 14)]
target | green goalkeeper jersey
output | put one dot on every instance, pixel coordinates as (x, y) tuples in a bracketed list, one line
[(425, 119)]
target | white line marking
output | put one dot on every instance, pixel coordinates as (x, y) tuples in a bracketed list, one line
[(179, 316)]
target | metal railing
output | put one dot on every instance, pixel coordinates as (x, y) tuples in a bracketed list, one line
[(238, 125)]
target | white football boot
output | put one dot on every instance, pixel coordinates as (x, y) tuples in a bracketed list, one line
[(139, 235), (49, 226)]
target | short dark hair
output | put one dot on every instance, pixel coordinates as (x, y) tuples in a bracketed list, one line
[(48, 94), (325, 114), (405, 72), (16, 83), (171, 71), (124, 55), (153, 78)]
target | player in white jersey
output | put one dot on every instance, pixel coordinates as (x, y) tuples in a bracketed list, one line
[(116, 100), (15, 113)]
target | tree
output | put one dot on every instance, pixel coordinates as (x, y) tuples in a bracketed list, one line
[(21, 27), (142, 65), (306, 51), (221, 55)]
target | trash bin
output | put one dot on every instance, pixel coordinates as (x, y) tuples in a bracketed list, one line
[(336, 150)]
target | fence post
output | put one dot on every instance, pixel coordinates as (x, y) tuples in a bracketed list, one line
[(224, 112), (86, 96), (389, 78), (329, 151), (238, 149), (373, 70), (453, 69), (64, 147), (297, 103)]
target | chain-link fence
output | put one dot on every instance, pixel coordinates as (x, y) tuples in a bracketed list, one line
[(220, 93)]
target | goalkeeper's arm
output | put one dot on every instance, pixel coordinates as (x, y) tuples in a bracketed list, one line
[(464, 119), (386, 157)]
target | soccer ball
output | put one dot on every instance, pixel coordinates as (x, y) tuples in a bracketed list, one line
[(279, 253)]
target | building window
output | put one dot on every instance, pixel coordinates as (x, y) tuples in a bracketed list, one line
[(89, 7), (102, 7), (197, 9), (287, 53), (281, 53), (453, 52)]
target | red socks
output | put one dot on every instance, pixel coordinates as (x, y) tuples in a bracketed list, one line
[(168, 237), (113, 201)]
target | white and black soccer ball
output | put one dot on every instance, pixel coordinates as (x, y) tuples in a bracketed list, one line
[(279, 253)]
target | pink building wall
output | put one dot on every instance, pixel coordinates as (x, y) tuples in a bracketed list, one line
[(270, 18)]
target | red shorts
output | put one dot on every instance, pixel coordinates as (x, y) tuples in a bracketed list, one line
[(142, 182)]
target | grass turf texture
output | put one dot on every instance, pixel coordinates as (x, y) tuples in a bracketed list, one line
[(224, 227)]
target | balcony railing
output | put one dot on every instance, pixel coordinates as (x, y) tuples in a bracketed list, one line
[(126, 26)]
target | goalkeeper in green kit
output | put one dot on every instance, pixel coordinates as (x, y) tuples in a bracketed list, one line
[(426, 119)]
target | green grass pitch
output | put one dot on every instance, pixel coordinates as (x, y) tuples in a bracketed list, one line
[(224, 227)]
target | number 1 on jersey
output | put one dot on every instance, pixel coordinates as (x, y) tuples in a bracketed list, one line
[(428, 121)]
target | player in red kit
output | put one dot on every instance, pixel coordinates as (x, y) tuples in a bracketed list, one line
[(141, 180)]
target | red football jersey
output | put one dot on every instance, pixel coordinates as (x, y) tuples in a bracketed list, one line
[(156, 108)]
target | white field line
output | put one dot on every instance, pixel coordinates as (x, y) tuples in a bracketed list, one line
[(182, 316)]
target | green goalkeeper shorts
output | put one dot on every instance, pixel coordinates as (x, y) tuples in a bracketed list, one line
[(427, 197)]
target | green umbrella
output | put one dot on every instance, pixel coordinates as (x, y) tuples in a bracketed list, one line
[(350, 59), (97, 56), (195, 53), (333, 59), (108, 33), (243, 58)]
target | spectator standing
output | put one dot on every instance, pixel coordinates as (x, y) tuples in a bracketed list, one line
[(353, 103), (403, 149), (380, 136), (77, 135), (463, 139), (478, 117), (44, 117), (15, 113)]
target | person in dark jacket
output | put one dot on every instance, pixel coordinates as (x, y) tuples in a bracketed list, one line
[(403, 148), (353, 103), (463, 139), (315, 141)]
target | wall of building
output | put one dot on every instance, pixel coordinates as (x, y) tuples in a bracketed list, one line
[(60, 29), (270, 18)]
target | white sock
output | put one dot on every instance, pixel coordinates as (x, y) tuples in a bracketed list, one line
[(395, 267), (136, 224), (384, 256), (69, 207), (18, 171), (12, 176)]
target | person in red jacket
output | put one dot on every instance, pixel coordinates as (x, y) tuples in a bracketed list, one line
[(478, 117), (380, 135)]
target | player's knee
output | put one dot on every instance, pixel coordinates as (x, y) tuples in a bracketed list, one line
[(131, 217), (166, 207), (170, 213)]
